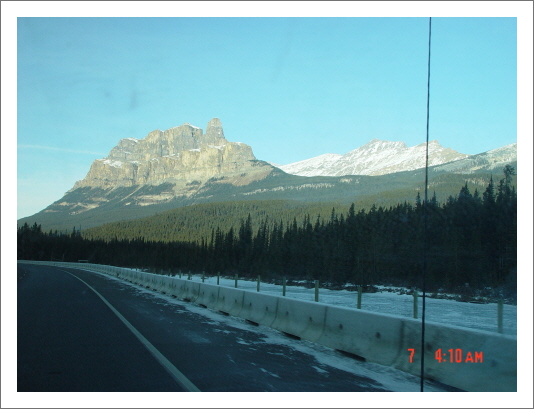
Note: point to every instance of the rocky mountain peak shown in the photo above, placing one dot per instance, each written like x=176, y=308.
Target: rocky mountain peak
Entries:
x=377, y=145
x=215, y=128
x=183, y=153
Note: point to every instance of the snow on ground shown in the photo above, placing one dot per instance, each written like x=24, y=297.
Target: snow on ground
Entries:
x=450, y=312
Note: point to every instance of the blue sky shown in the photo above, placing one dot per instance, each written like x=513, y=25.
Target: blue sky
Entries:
x=292, y=88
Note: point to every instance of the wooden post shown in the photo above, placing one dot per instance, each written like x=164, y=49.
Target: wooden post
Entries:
x=283, y=286
x=203, y=276
x=359, y=306
x=316, y=290
x=236, y=281
x=415, y=304
x=218, y=275
x=258, y=289
x=189, y=275
x=499, y=316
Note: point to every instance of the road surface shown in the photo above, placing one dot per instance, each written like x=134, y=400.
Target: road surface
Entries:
x=85, y=331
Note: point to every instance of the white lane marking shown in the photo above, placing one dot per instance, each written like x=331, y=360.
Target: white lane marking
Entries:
x=179, y=377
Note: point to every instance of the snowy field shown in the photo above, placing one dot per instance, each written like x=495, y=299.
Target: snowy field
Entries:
x=462, y=314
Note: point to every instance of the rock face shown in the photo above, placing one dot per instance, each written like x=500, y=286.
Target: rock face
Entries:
x=180, y=154
x=180, y=163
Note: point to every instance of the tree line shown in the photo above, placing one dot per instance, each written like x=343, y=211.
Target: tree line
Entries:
x=470, y=240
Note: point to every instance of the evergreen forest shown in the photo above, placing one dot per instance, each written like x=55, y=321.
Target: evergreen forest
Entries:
x=470, y=241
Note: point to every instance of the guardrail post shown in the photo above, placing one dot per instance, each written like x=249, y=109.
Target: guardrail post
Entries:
x=258, y=289
x=236, y=281
x=415, y=304
x=203, y=276
x=218, y=275
x=180, y=273
x=499, y=316
x=189, y=275
x=359, y=306
x=283, y=286
x=316, y=290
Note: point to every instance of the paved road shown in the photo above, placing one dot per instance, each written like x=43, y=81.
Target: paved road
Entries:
x=70, y=339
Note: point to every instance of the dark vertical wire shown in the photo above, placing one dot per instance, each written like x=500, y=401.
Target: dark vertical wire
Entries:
x=425, y=211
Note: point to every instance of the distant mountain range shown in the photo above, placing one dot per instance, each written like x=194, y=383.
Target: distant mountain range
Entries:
x=374, y=158
x=183, y=166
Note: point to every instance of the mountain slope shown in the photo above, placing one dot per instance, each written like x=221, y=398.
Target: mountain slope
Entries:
x=316, y=166
x=161, y=167
x=374, y=158
x=183, y=166
x=382, y=190
x=486, y=161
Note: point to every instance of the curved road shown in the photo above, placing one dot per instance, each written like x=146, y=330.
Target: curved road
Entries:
x=84, y=331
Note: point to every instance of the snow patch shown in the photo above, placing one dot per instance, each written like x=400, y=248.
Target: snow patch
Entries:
x=270, y=373
x=321, y=371
x=192, y=126
x=114, y=163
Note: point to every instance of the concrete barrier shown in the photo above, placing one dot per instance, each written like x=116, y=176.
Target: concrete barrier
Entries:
x=182, y=289
x=136, y=277
x=259, y=308
x=124, y=274
x=147, y=280
x=230, y=300
x=152, y=281
x=176, y=288
x=129, y=274
x=160, y=283
x=494, y=368
x=192, y=290
x=300, y=318
x=143, y=279
x=208, y=296
x=167, y=286
x=380, y=338
x=369, y=335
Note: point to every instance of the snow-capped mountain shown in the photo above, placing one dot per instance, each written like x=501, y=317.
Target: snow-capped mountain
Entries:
x=310, y=167
x=374, y=158
x=487, y=160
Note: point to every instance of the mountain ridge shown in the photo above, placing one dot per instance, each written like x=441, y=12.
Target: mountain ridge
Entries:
x=182, y=153
x=182, y=166
x=377, y=157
